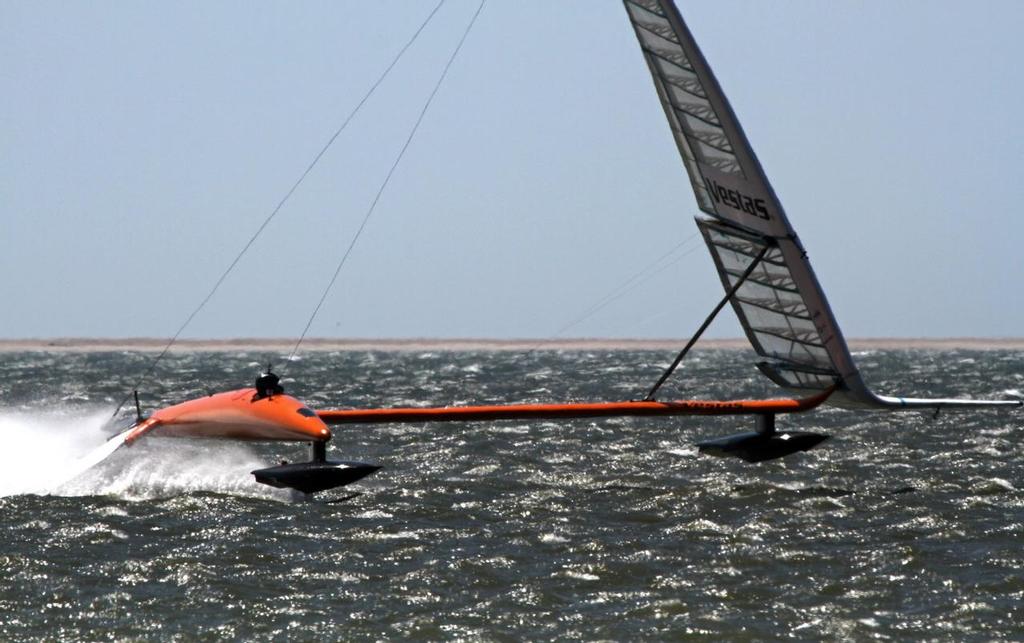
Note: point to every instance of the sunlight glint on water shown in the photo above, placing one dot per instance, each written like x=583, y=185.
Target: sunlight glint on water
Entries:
x=902, y=526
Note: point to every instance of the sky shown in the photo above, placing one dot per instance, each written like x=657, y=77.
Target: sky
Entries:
x=143, y=143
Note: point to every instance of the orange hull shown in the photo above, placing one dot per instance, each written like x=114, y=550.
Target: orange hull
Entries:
x=580, y=410
x=236, y=415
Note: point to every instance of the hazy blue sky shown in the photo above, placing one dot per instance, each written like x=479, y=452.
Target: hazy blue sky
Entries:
x=144, y=142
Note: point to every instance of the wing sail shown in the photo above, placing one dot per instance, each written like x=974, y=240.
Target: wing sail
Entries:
x=724, y=173
x=781, y=306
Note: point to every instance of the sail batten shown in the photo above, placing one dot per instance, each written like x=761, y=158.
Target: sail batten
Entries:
x=749, y=250
x=776, y=283
x=797, y=310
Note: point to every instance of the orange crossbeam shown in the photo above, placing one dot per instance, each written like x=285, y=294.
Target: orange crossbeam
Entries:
x=572, y=410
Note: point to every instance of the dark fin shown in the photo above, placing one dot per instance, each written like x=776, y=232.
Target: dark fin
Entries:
x=758, y=446
x=311, y=477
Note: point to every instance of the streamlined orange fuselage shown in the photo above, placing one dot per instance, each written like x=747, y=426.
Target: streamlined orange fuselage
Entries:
x=237, y=415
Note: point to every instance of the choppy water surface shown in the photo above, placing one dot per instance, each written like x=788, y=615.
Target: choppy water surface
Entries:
x=902, y=526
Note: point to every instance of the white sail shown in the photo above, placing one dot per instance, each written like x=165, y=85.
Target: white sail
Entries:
x=781, y=306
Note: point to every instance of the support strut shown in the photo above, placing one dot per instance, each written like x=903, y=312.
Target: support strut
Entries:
x=138, y=407
x=318, y=451
x=707, y=322
x=765, y=424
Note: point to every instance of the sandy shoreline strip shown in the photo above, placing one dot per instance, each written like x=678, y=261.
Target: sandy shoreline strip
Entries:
x=145, y=344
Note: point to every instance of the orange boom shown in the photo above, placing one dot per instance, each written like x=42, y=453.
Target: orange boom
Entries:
x=577, y=410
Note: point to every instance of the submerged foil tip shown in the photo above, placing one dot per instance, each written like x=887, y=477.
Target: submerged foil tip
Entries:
x=311, y=477
x=758, y=447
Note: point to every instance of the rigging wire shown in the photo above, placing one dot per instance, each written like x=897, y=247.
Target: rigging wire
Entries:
x=650, y=270
x=654, y=273
x=628, y=285
x=281, y=203
x=387, y=179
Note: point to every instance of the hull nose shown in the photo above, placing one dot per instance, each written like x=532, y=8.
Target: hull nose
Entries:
x=311, y=477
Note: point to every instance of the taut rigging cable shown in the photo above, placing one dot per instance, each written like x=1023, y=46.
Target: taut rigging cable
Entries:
x=653, y=268
x=387, y=179
x=280, y=204
x=662, y=263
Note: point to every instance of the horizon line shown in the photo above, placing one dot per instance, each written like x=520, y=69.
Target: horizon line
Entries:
x=316, y=344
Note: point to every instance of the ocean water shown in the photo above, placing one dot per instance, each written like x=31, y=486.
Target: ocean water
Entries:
x=903, y=526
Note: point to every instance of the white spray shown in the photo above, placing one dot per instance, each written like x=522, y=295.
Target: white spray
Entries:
x=70, y=455
x=40, y=449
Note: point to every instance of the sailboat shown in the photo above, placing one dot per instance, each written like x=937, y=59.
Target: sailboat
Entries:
x=763, y=267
